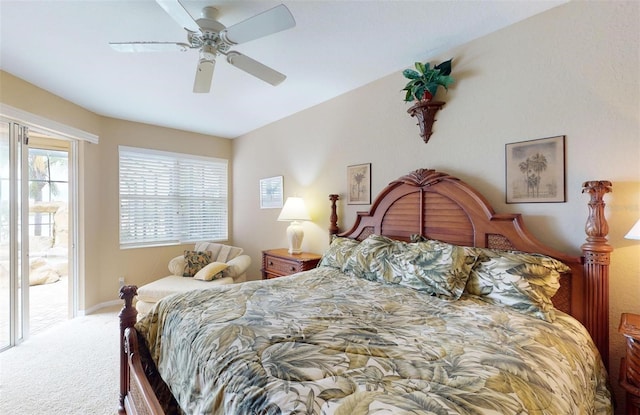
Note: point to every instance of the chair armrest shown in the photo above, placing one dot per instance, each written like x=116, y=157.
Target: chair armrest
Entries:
x=237, y=266
x=176, y=265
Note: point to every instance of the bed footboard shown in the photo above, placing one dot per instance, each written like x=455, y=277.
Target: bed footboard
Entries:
x=136, y=393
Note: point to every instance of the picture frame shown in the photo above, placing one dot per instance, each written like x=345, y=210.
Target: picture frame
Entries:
x=359, y=184
x=535, y=171
x=271, y=192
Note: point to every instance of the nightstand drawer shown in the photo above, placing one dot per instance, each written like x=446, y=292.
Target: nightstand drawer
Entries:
x=281, y=266
x=279, y=262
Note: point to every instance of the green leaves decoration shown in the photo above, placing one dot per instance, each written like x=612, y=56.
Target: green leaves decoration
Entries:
x=424, y=81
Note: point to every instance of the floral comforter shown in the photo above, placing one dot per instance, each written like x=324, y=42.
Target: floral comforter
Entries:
x=321, y=342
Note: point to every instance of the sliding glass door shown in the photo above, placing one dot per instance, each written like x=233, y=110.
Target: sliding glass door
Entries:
x=14, y=271
x=49, y=216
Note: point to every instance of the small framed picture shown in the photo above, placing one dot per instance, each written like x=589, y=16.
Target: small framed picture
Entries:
x=271, y=192
x=359, y=184
x=535, y=171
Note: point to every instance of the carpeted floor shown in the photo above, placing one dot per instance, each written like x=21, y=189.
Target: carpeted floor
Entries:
x=69, y=368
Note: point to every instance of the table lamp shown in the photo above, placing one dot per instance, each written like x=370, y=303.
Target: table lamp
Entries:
x=634, y=233
x=295, y=211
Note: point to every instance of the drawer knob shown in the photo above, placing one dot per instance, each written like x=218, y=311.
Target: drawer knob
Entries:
x=270, y=262
x=293, y=268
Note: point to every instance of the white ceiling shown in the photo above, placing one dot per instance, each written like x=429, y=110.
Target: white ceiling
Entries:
x=62, y=46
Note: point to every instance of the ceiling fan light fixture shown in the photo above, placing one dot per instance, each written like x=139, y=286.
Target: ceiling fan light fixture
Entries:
x=208, y=53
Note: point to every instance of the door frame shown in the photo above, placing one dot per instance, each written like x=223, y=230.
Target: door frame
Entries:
x=74, y=136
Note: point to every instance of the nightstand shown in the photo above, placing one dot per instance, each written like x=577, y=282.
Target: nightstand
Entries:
x=279, y=262
x=630, y=365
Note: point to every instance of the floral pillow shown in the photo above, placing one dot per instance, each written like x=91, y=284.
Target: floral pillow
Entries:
x=194, y=261
x=523, y=281
x=371, y=260
x=434, y=267
x=439, y=268
x=338, y=253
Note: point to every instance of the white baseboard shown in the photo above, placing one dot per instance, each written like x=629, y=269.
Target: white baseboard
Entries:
x=98, y=307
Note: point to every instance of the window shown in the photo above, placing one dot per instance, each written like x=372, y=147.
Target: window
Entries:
x=171, y=198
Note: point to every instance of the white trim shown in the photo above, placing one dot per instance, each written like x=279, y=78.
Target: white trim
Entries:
x=49, y=125
x=98, y=307
x=171, y=154
x=74, y=230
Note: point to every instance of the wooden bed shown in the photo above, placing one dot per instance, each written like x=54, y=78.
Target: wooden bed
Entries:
x=441, y=207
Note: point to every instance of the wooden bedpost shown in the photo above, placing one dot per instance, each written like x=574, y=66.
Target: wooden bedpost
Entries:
x=597, y=253
x=333, y=218
x=128, y=316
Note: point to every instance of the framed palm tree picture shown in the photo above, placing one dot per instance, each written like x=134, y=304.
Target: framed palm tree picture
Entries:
x=359, y=184
x=535, y=171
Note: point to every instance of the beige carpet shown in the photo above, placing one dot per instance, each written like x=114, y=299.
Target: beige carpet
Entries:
x=70, y=368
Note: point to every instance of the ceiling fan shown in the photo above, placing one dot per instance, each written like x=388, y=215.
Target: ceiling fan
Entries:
x=212, y=39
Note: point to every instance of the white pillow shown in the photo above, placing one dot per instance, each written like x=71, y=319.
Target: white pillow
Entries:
x=212, y=271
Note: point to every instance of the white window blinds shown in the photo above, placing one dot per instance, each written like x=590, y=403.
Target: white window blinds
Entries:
x=170, y=198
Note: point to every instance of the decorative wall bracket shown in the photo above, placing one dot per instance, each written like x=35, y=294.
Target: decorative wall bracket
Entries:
x=425, y=112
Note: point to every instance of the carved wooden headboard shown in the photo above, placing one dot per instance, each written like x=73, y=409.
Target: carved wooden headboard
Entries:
x=439, y=206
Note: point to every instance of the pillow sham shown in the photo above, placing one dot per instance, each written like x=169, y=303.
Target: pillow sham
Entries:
x=416, y=237
x=339, y=251
x=434, y=267
x=210, y=272
x=520, y=280
x=194, y=261
x=371, y=260
x=439, y=268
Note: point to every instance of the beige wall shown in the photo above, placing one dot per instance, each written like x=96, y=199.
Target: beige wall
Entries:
x=102, y=260
x=573, y=71
x=139, y=265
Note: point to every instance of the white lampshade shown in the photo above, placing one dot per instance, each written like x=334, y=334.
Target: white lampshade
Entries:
x=294, y=210
x=634, y=233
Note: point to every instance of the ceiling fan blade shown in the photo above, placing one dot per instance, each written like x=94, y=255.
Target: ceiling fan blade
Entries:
x=255, y=68
x=176, y=10
x=149, y=46
x=204, y=74
x=270, y=21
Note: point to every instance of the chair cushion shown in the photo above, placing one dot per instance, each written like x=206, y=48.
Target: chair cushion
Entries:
x=173, y=284
x=219, y=252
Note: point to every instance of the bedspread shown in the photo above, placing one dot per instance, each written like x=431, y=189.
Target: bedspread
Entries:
x=321, y=342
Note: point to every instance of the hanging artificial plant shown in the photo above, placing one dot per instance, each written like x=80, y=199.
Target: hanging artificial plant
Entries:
x=425, y=81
